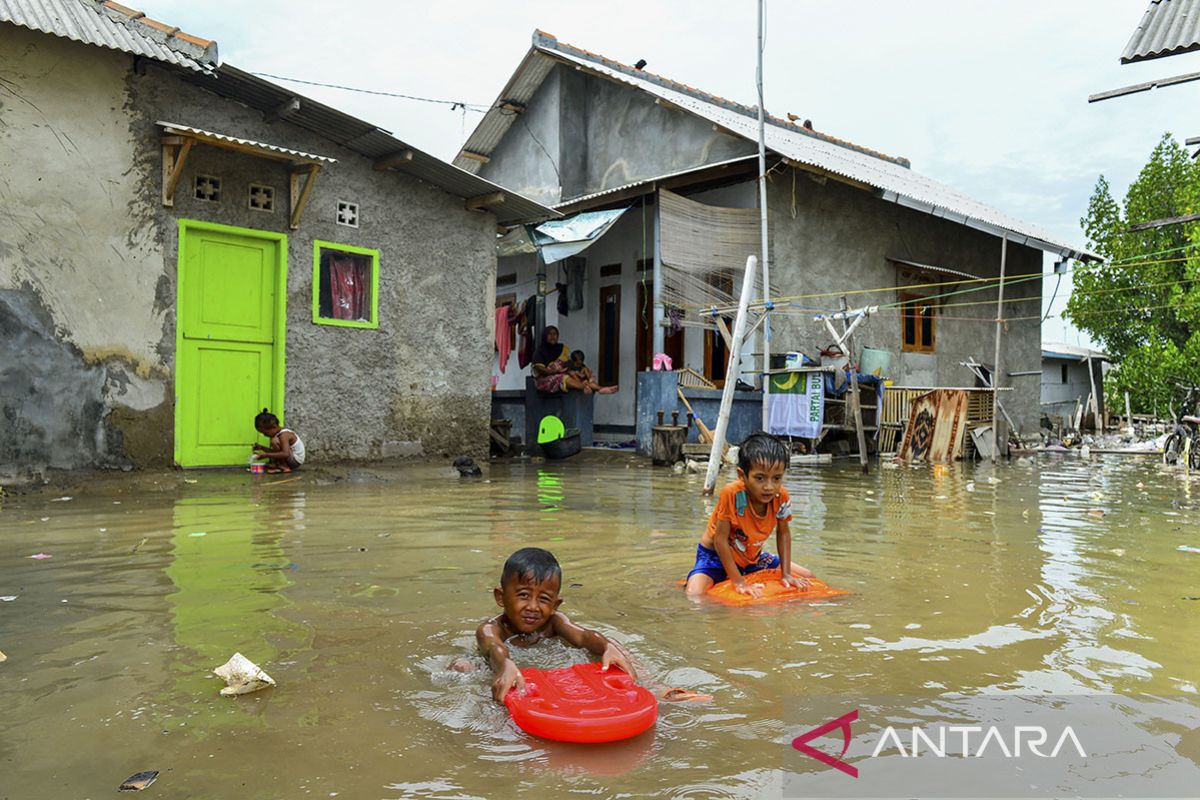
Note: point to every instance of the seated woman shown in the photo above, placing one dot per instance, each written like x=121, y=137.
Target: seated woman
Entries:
x=550, y=368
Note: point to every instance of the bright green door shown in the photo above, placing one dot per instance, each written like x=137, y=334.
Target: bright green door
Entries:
x=229, y=354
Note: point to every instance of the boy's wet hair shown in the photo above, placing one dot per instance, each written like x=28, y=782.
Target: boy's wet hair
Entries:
x=265, y=419
x=531, y=563
x=577, y=355
x=762, y=448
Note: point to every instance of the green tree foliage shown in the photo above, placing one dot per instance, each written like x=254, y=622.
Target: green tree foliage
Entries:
x=1143, y=304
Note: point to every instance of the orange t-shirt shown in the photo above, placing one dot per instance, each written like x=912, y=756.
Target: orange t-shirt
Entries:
x=747, y=530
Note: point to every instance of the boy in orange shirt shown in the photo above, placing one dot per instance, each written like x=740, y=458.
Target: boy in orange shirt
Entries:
x=746, y=513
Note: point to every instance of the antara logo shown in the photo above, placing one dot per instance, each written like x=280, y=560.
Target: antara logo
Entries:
x=842, y=722
x=1033, y=737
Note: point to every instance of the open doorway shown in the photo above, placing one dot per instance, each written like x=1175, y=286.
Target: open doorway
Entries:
x=672, y=340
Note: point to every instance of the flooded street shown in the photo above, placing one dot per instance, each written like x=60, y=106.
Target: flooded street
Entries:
x=1060, y=576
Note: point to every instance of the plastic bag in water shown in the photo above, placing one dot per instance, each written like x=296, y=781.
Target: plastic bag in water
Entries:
x=242, y=675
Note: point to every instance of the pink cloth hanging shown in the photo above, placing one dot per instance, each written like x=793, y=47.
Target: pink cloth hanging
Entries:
x=348, y=280
x=503, y=336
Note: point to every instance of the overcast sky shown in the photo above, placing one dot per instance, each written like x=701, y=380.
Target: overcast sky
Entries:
x=988, y=97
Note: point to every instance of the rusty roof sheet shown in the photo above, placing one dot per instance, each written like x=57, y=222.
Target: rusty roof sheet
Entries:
x=890, y=177
x=104, y=23
x=1168, y=27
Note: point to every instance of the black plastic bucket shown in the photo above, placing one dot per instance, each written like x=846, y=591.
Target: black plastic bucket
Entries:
x=565, y=447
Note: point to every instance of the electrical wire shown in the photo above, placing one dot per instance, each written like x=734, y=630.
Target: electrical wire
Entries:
x=454, y=104
x=990, y=283
x=1050, y=305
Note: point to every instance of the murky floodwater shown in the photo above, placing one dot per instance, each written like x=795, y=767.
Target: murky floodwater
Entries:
x=1062, y=577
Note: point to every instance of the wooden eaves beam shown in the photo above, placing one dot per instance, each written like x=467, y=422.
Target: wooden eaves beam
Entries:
x=393, y=160
x=823, y=173
x=299, y=194
x=482, y=201
x=175, y=151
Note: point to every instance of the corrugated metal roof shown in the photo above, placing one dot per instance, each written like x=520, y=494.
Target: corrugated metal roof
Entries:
x=1070, y=352
x=367, y=140
x=108, y=24
x=953, y=273
x=520, y=89
x=889, y=176
x=1168, y=27
x=172, y=127
x=588, y=199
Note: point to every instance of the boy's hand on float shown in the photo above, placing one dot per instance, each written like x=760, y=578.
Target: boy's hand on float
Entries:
x=509, y=678
x=615, y=656
x=752, y=589
x=795, y=581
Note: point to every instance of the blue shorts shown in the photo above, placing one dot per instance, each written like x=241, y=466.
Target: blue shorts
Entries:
x=709, y=563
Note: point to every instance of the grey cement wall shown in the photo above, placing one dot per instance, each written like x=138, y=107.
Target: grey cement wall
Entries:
x=1060, y=398
x=581, y=134
x=88, y=270
x=528, y=162
x=842, y=238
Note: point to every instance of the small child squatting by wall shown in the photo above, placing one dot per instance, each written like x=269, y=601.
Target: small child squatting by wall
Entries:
x=285, y=451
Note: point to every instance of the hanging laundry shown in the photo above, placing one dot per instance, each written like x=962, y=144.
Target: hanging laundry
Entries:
x=564, y=308
x=503, y=336
x=576, y=268
x=525, y=326
x=525, y=349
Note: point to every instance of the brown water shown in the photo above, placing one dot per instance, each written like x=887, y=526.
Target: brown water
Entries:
x=354, y=595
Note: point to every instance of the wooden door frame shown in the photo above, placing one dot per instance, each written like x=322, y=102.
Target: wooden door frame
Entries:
x=280, y=328
x=602, y=349
x=644, y=335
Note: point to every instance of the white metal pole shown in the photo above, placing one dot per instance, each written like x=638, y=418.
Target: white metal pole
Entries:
x=658, y=337
x=762, y=205
x=735, y=352
x=996, y=373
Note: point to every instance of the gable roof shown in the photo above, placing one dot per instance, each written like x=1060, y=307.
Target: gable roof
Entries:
x=104, y=23
x=890, y=177
x=1168, y=28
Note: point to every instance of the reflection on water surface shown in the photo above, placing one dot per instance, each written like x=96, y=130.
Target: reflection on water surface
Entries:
x=1061, y=576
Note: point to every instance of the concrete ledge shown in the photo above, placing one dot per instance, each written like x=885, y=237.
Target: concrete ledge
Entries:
x=659, y=391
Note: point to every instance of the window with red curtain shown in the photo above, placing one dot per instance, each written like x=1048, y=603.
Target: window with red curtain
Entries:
x=345, y=283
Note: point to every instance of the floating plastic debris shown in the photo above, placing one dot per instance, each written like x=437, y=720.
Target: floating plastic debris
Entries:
x=135, y=783
x=40, y=556
x=242, y=675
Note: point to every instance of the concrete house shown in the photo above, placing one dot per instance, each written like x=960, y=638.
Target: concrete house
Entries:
x=1070, y=375
x=581, y=132
x=183, y=244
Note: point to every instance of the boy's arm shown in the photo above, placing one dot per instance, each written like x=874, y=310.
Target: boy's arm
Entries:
x=725, y=553
x=505, y=674
x=285, y=447
x=783, y=544
x=610, y=652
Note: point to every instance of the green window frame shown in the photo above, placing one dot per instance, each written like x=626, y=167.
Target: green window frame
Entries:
x=320, y=246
